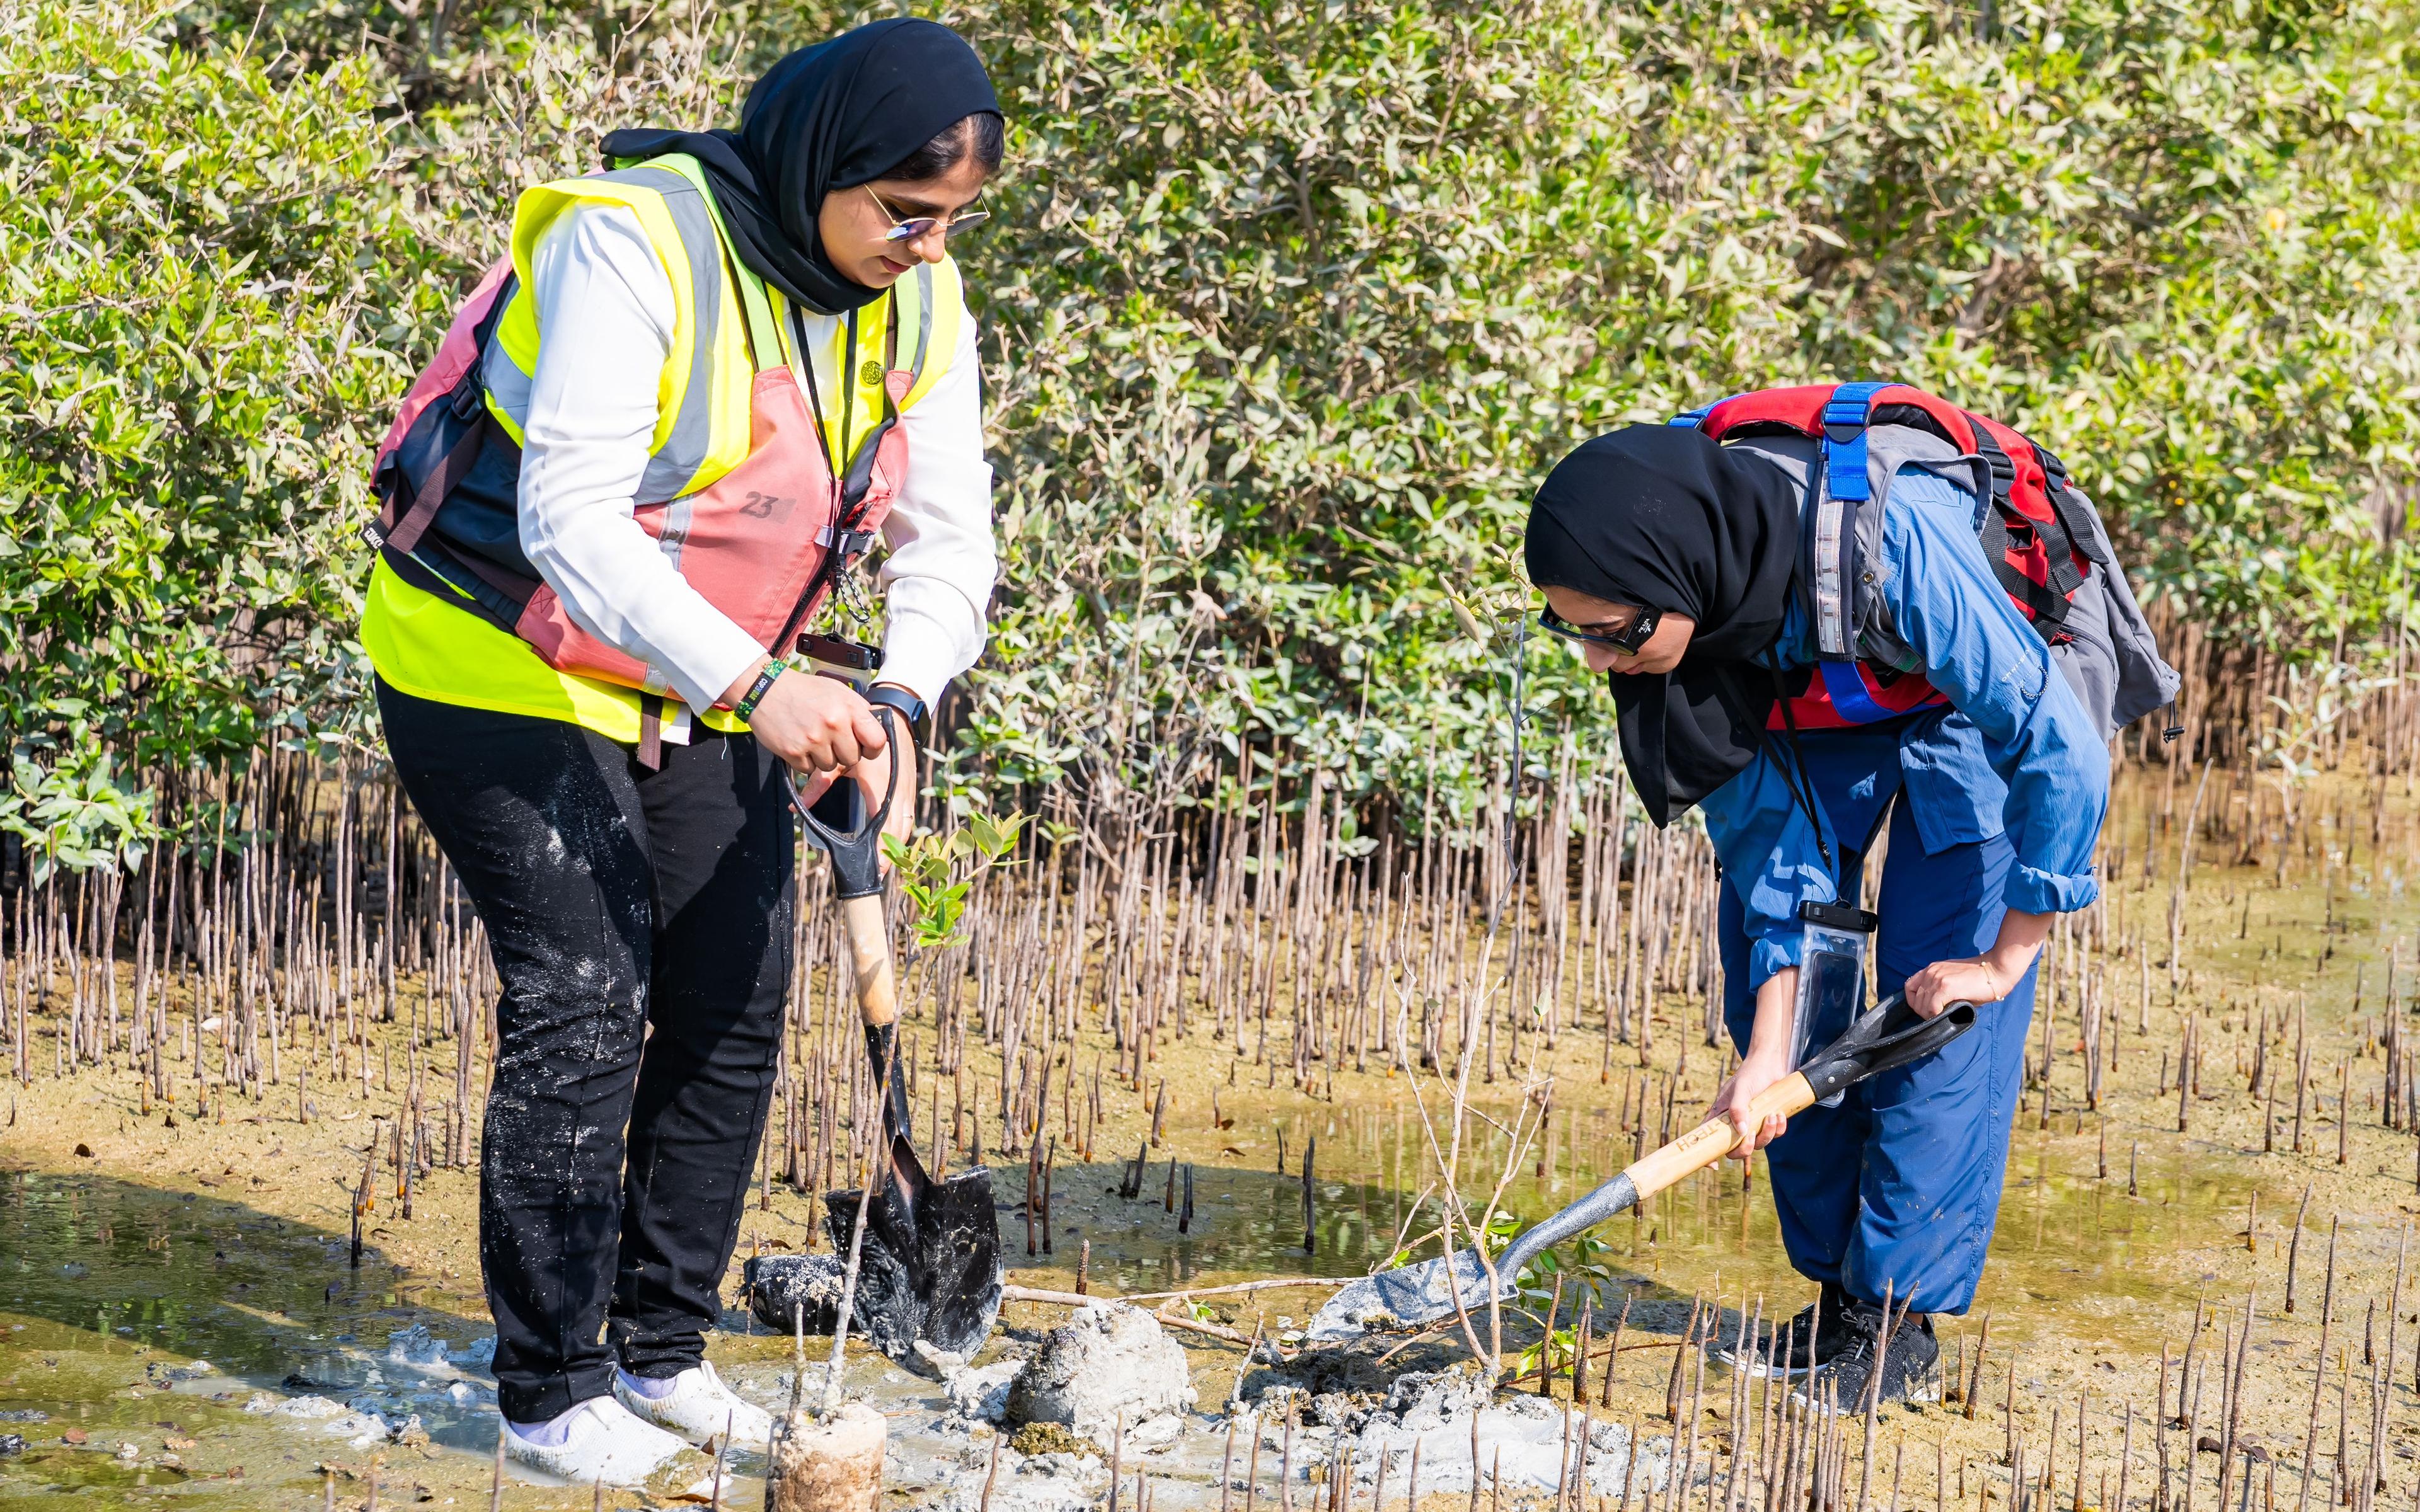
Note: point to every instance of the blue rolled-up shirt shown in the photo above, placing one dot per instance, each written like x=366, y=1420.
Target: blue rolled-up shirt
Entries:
x=2015, y=754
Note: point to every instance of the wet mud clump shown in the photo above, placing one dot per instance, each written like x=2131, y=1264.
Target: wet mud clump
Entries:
x=1456, y=1424
x=980, y=1394
x=1333, y=1383
x=790, y=1292
x=1108, y=1369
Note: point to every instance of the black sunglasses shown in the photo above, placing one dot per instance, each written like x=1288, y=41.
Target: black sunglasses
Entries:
x=1629, y=642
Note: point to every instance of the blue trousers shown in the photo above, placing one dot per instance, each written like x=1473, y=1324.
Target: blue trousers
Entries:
x=1900, y=1186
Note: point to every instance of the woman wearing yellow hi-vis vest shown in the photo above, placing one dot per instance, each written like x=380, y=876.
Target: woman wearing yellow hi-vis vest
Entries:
x=616, y=508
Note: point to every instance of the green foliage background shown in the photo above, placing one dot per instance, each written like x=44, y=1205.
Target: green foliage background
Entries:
x=1288, y=305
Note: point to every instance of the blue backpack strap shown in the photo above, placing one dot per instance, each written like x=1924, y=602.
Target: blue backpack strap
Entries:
x=1846, y=687
x=1696, y=417
x=1845, y=417
x=1832, y=568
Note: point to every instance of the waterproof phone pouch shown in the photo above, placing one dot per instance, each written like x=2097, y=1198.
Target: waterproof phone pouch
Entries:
x=1831, y=975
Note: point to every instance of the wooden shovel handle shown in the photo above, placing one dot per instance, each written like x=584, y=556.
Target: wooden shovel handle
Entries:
x=1716, y=1139
x=869, y=949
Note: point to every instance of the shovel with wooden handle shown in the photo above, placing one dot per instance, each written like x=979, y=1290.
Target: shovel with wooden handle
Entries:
x=1414, y=1296
x=929, y=1264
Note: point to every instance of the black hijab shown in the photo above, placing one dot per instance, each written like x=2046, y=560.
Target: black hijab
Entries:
x=1665, y=518
x=826, y=117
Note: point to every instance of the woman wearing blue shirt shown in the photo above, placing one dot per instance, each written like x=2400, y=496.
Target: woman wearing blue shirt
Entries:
x=1675, y=562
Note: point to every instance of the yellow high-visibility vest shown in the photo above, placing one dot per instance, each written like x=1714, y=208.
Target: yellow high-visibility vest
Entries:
x=430, y=648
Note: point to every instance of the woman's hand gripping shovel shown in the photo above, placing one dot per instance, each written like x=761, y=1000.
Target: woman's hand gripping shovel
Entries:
x=925, y=1253
x=1414, y=1296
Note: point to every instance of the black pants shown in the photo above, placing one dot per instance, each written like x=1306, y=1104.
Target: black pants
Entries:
x=639, y=923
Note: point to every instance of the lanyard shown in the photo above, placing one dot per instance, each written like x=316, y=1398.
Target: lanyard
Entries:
x=1792, y=760
x=814, y=396
x=1801, y=785
x=848, y=487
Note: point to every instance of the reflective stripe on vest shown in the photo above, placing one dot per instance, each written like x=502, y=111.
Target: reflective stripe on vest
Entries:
x=672, y=209
x=704, y=430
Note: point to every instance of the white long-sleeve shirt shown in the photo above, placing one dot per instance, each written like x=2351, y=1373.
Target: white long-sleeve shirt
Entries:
x=605, y=309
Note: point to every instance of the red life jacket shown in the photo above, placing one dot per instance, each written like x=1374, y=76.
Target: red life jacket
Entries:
x=2039, y=536
x=764, y=542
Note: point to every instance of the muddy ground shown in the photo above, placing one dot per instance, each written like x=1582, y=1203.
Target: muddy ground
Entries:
x=180, y=1315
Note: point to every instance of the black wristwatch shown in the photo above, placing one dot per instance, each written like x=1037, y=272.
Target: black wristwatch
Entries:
x=910, y=707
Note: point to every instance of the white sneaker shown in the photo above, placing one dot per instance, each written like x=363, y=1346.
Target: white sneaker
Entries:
x=601, y=1441
x=700, y=1407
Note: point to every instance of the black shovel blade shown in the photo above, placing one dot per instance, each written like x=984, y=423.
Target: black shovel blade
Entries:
x=959, y=1228
x=929, y=1270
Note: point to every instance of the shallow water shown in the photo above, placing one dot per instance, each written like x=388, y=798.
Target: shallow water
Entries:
x=140, y=1316
x=112, y=1289
x=2065, y=1235
x=242, y=1357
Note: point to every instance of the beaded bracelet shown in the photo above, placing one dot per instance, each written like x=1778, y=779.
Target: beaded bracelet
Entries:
x=746, y=707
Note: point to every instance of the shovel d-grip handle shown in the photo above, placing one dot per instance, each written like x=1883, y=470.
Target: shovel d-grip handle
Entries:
x=1891, y=1034
x=840, y=823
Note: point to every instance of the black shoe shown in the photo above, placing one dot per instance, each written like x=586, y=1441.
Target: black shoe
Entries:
x=1908, y=1371
x=1781, y=1350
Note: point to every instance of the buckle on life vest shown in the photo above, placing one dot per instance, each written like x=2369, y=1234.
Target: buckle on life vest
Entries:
x=851, y=545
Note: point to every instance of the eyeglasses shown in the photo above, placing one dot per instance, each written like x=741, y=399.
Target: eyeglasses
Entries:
x=1629, y=642
x=916, y=227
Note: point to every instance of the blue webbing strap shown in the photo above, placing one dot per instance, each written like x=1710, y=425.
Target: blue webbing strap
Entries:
x=1831, y=543
x=1844, y=439
x=1846, y=687
x=1698, y=416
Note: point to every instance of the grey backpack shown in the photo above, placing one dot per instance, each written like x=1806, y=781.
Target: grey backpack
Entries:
x=2044, y=541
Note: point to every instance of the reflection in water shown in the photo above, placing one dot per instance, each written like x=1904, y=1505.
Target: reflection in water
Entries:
x=150, y=1322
